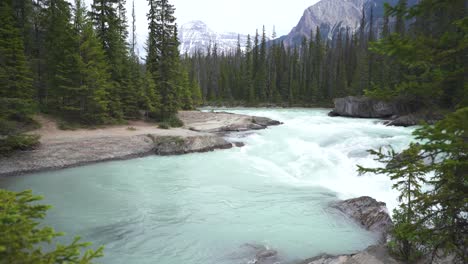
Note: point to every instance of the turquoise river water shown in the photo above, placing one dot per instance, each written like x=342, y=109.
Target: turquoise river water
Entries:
x=207, y=208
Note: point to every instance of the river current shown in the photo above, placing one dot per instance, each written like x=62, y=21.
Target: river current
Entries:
x=215, y=207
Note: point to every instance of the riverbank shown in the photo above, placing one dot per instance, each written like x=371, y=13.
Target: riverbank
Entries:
x=202, y=132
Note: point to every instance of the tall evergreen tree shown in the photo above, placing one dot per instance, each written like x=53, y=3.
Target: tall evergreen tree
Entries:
x=16, y=91
x=163, y=54
x=91, y=96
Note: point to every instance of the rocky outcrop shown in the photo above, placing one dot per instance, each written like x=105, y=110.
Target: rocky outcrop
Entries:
x=177, y=145
x=397, y=112
x=414, y=119
x=364, y=107
x=80, y=152
x=377, y=254
x=368, y=212
x=373, y=216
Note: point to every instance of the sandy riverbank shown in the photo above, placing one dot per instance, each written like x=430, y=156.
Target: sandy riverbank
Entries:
x=202, y=131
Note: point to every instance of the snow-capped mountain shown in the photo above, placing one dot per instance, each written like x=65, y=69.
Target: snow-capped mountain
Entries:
x=332, y=15
x=197, y=36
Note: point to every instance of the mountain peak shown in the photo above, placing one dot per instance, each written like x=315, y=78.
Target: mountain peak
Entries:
x=196, y=36
x=330, y=16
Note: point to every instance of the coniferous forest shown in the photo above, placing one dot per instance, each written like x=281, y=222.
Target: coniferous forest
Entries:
x=416, y=54
x=80, y=65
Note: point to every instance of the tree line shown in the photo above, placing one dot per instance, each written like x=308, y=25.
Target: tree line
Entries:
x=82, y=66
x=363, y=62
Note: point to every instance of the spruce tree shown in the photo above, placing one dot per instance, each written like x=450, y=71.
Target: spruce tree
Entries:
x=16, y=91
x=408, y=171
x=163, y=55
x=431, y=221
x=95, y=77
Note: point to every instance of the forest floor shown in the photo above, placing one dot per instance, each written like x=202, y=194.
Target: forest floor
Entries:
x=202, y=131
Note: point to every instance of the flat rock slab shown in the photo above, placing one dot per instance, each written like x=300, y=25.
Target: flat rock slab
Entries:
x=219, y=122
x=80, y=152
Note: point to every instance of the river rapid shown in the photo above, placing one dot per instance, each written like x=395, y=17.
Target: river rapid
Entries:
x=216, y=207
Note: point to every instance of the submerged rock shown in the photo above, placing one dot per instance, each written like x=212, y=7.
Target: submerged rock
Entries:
x=266, y=256
x=255, y=254
x=370, y=213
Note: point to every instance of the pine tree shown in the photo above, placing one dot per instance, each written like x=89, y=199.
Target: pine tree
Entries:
x=248, y=75
x=431, y=219
x=109, y=18
x=163, y=54
x=400, y=25
x=93, y=86
x=61, y=63
x=16, y=91
x=432, y=59
x=408, y=171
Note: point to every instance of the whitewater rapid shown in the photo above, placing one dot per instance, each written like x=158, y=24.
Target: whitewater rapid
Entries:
x=312, y=149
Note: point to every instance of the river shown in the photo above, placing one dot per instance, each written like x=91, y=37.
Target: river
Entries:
x=211, y=207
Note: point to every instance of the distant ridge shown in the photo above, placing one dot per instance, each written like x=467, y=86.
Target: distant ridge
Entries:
x=197, y=36
x=331, y=16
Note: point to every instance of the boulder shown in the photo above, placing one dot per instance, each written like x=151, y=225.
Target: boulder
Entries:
x=265, y=121
x=364, y=107
x=238, y=144
x=368, y=212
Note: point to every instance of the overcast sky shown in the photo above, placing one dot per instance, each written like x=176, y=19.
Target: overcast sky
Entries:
x=240, y=16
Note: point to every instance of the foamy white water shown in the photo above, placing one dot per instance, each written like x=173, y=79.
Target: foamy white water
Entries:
x=205, y=208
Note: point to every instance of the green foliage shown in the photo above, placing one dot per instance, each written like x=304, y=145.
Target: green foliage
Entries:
x=9, y=144
x=162, y=61
x=174, y=121
x=67, y=125
x=16, y=91
x=22, y=238
x=164, y=125
x=431, y=220
x=429, y=59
